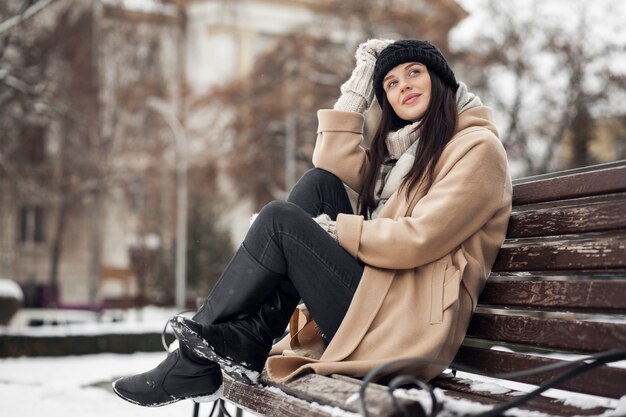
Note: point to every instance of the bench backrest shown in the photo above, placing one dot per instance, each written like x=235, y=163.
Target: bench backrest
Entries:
x=559, y=282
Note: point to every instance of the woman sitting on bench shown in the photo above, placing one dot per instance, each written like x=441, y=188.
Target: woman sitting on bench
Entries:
x=398, y=279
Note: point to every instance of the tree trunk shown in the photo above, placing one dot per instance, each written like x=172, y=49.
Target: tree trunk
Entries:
x=582, y=132
x=55, y=252
x=95, y=262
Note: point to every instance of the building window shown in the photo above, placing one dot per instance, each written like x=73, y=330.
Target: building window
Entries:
x=32, y=145
x=31, y=225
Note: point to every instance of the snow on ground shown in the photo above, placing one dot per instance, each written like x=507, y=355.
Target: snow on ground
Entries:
x=74, y=386
x=147, y=6
x=78, y=386
x=76, y=322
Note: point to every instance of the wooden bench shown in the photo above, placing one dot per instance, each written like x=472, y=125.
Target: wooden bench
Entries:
x=558, y=285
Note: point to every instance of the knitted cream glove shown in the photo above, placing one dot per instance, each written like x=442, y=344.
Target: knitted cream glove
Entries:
x=357, y=94
x=327, y=224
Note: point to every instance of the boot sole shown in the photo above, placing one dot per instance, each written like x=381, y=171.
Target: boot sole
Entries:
x=197, y=344
x=208, y=398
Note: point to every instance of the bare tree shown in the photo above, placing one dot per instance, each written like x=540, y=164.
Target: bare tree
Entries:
x=27, y=10
x=273, y=110
x=63, y=148
x=276, y=105
x=545, y=80
x=49, y=84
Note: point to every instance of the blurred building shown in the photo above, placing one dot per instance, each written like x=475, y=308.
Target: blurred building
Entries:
x=88, y=175
x=76, y=148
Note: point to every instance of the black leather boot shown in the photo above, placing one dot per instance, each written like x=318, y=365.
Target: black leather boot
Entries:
x=237, y=297
x=241, y=290
x=180, y=376
x=248, y=308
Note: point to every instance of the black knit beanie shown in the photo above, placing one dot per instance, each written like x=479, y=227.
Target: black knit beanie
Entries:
x=412, y=50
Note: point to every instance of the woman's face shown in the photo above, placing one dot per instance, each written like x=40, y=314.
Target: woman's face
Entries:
x=408, y=88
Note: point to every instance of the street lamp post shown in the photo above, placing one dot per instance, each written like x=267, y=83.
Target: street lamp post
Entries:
x=180, y=137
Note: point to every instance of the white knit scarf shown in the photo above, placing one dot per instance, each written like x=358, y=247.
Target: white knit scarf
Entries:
x=401, y=146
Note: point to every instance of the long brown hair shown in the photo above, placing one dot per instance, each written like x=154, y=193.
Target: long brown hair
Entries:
x=437, y=128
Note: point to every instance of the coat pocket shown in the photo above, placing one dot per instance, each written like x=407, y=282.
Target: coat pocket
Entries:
x=445, y=283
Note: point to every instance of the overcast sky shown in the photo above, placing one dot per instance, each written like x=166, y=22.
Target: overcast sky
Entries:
x=607, y=17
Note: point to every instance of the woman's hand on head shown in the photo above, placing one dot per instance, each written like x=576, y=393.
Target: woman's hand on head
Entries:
x=357, y=94
x=371, y=49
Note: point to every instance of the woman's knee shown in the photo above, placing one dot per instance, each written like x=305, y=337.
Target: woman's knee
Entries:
x=319, y=175
x=278, y=216
x=277, y=211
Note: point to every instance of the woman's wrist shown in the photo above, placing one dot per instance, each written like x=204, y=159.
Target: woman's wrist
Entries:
x=351, y=101
x=329, y=225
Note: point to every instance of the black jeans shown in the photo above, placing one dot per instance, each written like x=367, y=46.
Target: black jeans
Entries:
x=285, y=240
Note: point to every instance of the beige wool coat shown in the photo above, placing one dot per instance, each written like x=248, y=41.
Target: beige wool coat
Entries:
x=427, y=259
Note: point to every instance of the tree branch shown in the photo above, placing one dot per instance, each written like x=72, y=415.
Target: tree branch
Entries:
x=17, y=84
x=27, y=14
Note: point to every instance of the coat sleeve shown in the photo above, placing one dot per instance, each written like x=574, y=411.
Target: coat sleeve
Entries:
x=457, y=205
x=339, y=146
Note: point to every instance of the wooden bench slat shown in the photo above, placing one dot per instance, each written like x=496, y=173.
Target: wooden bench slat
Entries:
x=342, y=392
x=604, y=380
x=604, y=181
x=336, y=393
x=602, y=295
x=455, y=388
x=597, y=253
x=578, y=219
x=556, y=274
x=568, y=335
x=264, y=402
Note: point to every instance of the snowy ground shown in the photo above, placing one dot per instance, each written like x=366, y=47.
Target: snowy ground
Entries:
x=79, y=322
x=74, y=386
x=78, y=386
